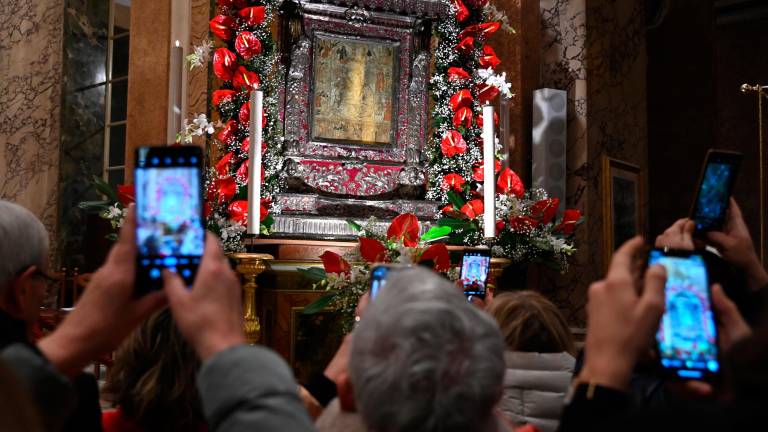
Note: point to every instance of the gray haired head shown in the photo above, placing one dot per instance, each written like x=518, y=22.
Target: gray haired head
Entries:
x=424, y=359
x=23, y=242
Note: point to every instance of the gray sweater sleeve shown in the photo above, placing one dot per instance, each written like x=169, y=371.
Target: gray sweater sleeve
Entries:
x=52, y=392
x=250, y=388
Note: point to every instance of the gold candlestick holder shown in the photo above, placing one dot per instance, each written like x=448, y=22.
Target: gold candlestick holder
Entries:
x=761, y=90
x=250, y=266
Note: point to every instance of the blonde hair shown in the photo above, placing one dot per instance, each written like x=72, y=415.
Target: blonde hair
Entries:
x=531, y=323
x=153, y=377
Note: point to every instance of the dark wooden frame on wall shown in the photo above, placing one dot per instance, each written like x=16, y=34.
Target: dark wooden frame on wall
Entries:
x=611, y=169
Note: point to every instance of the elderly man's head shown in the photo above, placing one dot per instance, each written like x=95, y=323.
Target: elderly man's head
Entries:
x=424, y=359
x=23, y=261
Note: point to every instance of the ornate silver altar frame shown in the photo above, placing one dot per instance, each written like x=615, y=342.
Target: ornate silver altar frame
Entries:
x=355, y=178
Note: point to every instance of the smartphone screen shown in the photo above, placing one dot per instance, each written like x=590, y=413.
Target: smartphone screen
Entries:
x=169, y=214
x=474, y=273
x=715, y=188
x=378, y=279
x=687, y=336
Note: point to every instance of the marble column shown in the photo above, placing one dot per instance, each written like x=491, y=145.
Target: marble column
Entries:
x=148, y=78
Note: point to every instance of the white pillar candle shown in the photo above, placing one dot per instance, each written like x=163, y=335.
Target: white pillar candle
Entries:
x=175, y=91
x=489, y=177
x=254, y=164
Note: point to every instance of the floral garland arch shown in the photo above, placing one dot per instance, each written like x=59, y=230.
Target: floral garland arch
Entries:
x=247, y=61
x=464, y=80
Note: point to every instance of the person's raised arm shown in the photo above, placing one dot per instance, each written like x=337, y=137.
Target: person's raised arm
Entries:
x=106, y=313
x=736, y=247
x=620, y=321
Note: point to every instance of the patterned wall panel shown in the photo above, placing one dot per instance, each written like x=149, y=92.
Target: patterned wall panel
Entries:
x=30, y=98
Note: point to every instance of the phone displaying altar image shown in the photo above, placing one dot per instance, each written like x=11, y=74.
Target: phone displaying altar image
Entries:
x=474, y=273
x=718, y=176
x=170, y=231
x=687, y=336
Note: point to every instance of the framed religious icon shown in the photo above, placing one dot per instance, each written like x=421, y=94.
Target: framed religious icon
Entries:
x=354, y=98
x=622, y=204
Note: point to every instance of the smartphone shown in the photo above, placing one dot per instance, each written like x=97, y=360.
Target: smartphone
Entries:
x=687, y=336
x=169, y=214
x=474, y=273
x=379, y=279
x=716, y=181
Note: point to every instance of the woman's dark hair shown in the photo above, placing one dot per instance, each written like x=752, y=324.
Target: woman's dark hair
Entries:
x=531, y=323
x=153, y=378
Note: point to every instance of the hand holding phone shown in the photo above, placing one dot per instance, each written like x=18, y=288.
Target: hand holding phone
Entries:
x=474, y=273
x=716, y=181
x=169, y=214
x=687, y=336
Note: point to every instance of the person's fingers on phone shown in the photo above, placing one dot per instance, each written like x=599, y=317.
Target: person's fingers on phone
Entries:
x=177, y=293
x=477, y=301
x=362, y=304
x=690, y=389
x=623, y=259
x=721, y=240
x=733, y=327
x=651, y=305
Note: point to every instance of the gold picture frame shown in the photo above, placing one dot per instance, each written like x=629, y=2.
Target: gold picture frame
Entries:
x=622, y=204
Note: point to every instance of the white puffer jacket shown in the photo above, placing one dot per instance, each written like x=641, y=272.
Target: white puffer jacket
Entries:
x=535, y=385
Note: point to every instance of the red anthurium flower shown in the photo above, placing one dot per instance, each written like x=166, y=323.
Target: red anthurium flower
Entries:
x=482, y=29
x=453, y=143
x=448, y=208
x=509, y=182
x=489, y=59
x=457, y=74
x=225, y=189
x=253, y=16
x=487, y=92
x=242, y=172
x=222, y=95
x=230, y=3
x=246, y=145
x=238, y=211
x=479, y=175
x=462, y=13
x=479, y=120
x=462, y=98
x=221, y=26
x=545, y=210
x=523, y=224
x=500, y=226
x=207, y=210
x=477, y=3
x=334, y=263
x=472, y=209
x=568, y=224
x=462, y=117
x=247, y=45
x=372, y=250
x=263, y=212
x=453, y=182
x=438, y=254
x=244, y=78
x=224, y=64
x=222, y=166
x=466, y=45
x=404, y=227
x=227, y=134
x=126, y=193
x=244, y=115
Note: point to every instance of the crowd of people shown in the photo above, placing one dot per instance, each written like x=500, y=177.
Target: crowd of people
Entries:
x=421, y=358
